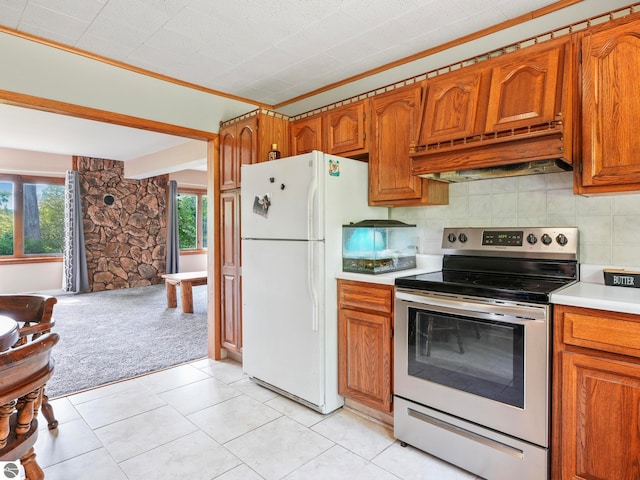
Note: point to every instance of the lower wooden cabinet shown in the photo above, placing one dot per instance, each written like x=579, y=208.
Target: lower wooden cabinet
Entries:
x=231, y=314
x=365, y=343
x=596, y=413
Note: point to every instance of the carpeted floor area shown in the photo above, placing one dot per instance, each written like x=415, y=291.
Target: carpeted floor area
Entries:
x=111, y=335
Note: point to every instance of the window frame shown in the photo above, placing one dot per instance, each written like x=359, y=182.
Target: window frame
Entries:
x=201, y=220
x=18, y=218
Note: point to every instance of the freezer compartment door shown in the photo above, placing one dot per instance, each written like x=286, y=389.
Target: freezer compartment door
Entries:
x=281, y=198
x=283, y=315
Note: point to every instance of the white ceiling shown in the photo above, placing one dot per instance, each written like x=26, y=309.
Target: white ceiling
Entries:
x=269, y=51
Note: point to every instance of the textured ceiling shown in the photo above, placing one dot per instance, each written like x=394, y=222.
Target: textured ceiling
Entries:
x=268, y=51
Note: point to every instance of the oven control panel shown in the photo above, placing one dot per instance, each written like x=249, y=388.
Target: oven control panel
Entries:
x=554, y=242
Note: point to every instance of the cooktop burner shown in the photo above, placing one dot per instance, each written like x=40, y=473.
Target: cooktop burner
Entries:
x=525, y=264
x=507, y=287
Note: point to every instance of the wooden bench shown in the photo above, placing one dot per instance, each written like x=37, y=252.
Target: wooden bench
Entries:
x=186, y=280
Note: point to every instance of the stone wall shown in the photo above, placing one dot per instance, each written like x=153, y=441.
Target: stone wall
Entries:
x=125, y=225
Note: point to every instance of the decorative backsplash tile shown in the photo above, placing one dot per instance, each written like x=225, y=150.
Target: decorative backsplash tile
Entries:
x=609, y=225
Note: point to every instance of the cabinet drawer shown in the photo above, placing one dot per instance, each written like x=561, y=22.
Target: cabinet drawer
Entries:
x=365, y=296
x=601, y=330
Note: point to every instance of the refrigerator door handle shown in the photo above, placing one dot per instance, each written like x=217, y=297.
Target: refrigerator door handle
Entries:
x=311, y=195
x=311, y=285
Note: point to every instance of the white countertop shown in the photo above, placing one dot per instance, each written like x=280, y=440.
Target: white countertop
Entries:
x=591, y=292
x=424, y=264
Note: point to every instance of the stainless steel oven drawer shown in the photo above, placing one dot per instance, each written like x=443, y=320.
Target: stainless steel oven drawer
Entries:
x=481, y=451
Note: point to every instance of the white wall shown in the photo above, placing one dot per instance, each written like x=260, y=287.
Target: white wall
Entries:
x=30, y=277
x=609, y=225
x=193, y=263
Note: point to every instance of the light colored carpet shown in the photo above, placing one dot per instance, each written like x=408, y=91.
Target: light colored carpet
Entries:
x=116, y=334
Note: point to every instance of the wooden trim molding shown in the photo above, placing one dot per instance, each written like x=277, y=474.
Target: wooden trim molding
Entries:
x=560, y=4
x=54, y=106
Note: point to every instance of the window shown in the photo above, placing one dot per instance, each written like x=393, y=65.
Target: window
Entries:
x=31, y=216
x=192, y=219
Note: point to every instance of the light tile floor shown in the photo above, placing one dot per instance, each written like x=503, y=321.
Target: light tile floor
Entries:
x=206, y=420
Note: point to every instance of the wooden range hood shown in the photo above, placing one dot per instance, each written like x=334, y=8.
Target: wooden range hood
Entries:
x=506, y=116
x=539, y=149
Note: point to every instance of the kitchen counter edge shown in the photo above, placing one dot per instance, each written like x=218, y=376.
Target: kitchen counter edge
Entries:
x=424, y=264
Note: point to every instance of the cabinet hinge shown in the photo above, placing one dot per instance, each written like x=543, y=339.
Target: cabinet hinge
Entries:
x=580, y=167
x=364, y=116
x=364, y=135
x=391, y=332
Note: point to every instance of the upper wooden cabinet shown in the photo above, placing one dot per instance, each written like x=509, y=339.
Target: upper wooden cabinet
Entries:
x=510, y=109
x=306, y=135
x=526, y=89
x=610, y=108
x=248, y=140
x=451, y=106
x=394, y=120
x=346, y=131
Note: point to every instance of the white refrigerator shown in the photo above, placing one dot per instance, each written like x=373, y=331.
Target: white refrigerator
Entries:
x=292, y=212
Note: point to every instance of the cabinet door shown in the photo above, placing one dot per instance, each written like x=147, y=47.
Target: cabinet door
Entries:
x=611, y=109
x=306, y=135
x=346, y=134
x=451, y=107
x=394, y=122
x=246, y=144
x=600, y=419
x=364, y=358
x=228, y=164
x=525, y=89
x=231, y=324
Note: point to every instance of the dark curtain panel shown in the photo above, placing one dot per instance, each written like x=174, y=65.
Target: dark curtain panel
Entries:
x=74, y=265
x=173, y=246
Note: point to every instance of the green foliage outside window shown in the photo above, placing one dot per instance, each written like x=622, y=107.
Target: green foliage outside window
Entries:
x=187, y=221
x=6, y=219
x=42, y=207
x=49, y=215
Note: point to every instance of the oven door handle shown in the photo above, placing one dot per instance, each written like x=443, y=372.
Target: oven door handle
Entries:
x=460, y=305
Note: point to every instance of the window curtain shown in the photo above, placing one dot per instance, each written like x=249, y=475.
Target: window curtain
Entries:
x=173, y=247
x=74, y=265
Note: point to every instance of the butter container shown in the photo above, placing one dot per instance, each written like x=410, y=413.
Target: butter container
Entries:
x=621, y=278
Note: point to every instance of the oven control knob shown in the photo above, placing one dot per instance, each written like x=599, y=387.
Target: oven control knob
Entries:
x=562, y=239
x=532, y=239
x=451, y=237
x=462, y=237
x=546, y=239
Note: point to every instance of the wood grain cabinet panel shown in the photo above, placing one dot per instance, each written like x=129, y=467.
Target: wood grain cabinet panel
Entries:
x=394, y=122
x=238, y=146
x=451, y=106
x=610, y=107
x=306, y=135
x=525, y=90
x=365, y=343
x=596, y=395
x=231, y=318
x=347, y=130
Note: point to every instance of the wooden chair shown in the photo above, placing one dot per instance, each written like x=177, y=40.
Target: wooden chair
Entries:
x=35, y=314
x=24, y=370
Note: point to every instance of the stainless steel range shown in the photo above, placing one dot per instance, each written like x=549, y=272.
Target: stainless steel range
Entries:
x=472, y=349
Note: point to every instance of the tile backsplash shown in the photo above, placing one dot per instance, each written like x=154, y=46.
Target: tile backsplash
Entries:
x=609, y=225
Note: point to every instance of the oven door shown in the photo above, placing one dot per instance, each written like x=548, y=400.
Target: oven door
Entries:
x=477, y=359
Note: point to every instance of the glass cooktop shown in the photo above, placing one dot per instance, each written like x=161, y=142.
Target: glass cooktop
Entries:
x=489, y=285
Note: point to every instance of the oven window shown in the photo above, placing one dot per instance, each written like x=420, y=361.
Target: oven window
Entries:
x=482, y=357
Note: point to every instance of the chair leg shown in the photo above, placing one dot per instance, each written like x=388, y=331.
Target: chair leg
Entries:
x=47, y=412
x=31, y=468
